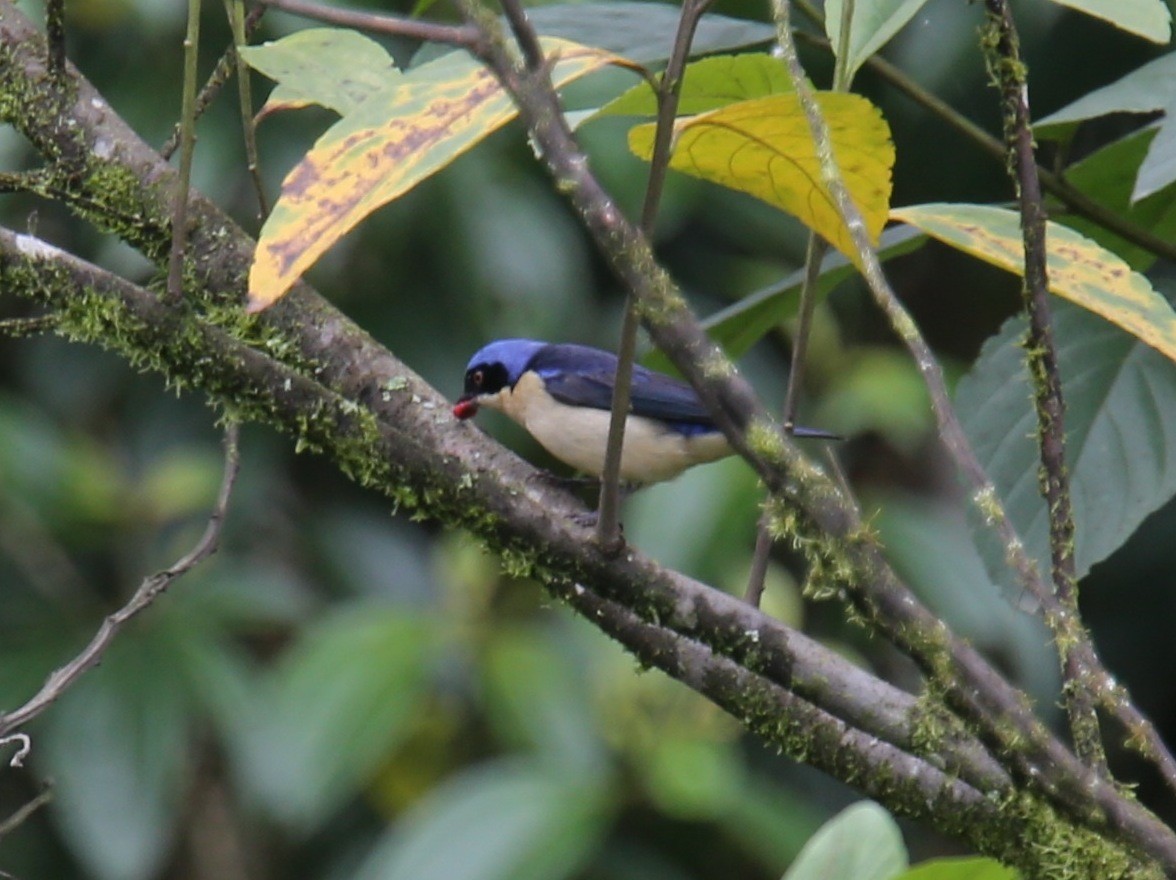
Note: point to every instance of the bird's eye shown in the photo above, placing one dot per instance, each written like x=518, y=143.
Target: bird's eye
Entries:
x=477, y=377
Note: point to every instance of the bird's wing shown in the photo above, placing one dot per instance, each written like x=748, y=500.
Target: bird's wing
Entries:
x=585, y=377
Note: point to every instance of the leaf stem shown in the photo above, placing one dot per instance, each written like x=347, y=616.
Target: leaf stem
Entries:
x=464, y=35
x=235, y=9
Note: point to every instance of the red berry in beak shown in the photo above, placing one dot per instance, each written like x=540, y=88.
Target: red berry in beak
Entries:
x=465, y=409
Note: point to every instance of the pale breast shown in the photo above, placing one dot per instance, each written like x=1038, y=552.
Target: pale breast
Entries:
x=578, y=435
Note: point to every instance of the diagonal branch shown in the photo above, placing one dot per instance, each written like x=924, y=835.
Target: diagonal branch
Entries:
x=149, y=590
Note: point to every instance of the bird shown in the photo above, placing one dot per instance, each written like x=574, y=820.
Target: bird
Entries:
x=561, y=393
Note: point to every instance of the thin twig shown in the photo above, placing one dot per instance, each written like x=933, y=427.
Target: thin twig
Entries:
x=149, y=590
x=465, y=35
x=235, y=10
x=44, y=796
x=668, y=91
x=23, y=181
x=179, y=217
x=814, y=255
x=224, y=68
x=1003, y=56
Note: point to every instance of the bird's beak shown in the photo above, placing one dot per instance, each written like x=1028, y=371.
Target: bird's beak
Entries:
x=465, y=408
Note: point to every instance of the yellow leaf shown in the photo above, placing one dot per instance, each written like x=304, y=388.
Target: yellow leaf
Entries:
x=1079, y=270
x=388, y=144
x=763, y=147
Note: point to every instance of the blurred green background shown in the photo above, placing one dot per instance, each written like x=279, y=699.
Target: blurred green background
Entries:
x=345, y=693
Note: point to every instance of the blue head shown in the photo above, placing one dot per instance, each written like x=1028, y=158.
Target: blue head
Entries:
x=492, y=368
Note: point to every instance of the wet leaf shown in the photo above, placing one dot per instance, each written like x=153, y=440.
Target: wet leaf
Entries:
x=1144, y=90
x=643, y=31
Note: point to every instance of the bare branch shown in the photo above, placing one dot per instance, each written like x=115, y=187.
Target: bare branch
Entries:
x=44, y=796
x=149, y=590
x=465, y=36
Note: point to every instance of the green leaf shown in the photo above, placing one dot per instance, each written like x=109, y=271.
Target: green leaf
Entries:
x=643, y=32
x=862, y=842
x=961, y=869
x=1159, y=165
x=1108, y=176
x=763, y=147
x=1079, y=270
x=499, y=821
x=874, y=22
x=535, y=699
x=391, y=142
x=338, y=69
x=692, y=778
x=1120, y=428
x=340, y=702
x=117, y=746
x=1150, y=19
x=741, y=325
x=1144, y=90
x=708, y=84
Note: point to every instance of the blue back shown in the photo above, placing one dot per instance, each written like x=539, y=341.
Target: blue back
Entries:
x=584, y=376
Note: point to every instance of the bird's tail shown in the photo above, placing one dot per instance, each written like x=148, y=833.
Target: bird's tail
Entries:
x=803, y=433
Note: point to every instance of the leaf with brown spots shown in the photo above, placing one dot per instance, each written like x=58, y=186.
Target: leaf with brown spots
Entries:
x=389, y=143
x=1079, y=270
x=763, y=147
